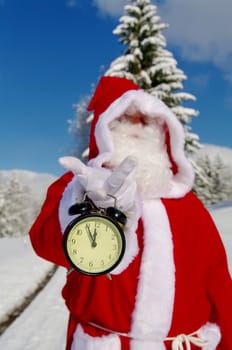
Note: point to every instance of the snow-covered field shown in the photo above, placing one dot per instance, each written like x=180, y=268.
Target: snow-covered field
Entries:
x=43, y=324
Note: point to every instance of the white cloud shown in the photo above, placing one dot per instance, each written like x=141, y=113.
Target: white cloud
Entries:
x=201, y=29
x=112, y=8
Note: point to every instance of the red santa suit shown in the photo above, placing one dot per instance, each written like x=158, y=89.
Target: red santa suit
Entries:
x=172, y=289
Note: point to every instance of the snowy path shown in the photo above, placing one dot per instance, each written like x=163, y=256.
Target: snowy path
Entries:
x=42, y=326
x=20, y=272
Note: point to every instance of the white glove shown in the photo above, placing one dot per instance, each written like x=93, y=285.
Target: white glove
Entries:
x=101, y=183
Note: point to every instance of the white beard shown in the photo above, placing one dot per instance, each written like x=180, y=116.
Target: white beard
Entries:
x=146, y=144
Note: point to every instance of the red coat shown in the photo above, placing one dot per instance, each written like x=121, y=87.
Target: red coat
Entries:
x=203, y=287
x=176, y=281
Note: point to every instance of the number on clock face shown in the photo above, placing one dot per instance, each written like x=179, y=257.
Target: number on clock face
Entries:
x=94, y=244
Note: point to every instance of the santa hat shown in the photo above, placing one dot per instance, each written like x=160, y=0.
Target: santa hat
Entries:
x=113, y=97
x=107, y=91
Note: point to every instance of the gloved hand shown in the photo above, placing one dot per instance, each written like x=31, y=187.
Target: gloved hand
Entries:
x=99, y=183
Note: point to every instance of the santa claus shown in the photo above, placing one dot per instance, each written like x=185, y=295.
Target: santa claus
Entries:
x=172, y=288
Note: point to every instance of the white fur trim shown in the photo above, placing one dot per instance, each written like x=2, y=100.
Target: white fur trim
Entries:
x=211, y=333
x=152, y=315
x=132, y=247
x=83, y=341
x=154, y=108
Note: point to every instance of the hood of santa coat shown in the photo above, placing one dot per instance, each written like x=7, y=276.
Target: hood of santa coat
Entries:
x=113, y=98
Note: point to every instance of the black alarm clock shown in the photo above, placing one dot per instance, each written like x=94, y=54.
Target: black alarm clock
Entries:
x=94, y=242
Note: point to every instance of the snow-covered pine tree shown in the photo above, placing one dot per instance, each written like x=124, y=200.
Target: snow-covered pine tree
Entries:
x=79, y=128
x=214, y=185
x=202, y=180
x=17, y=209
x=148, y=63
x=221, y=181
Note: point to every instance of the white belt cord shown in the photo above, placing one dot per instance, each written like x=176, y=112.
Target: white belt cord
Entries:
x=187, y=340
x=178, y=342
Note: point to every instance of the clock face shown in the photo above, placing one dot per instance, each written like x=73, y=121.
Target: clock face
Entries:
x=94, y=244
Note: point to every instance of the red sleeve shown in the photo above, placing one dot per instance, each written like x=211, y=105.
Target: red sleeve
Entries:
x=212, y=256
x=218, y=280
x=220, y=291
x=45, y=233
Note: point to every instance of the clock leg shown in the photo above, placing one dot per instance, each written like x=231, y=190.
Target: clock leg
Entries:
x=109, y=276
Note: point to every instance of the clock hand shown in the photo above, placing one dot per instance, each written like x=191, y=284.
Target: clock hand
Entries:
x=89, y=233
x=92, y=238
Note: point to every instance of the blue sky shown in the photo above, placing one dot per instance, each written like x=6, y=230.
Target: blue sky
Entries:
x=52, y=51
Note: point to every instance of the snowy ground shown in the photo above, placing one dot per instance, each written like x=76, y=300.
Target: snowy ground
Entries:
x=43, y=324
x=20, y=271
